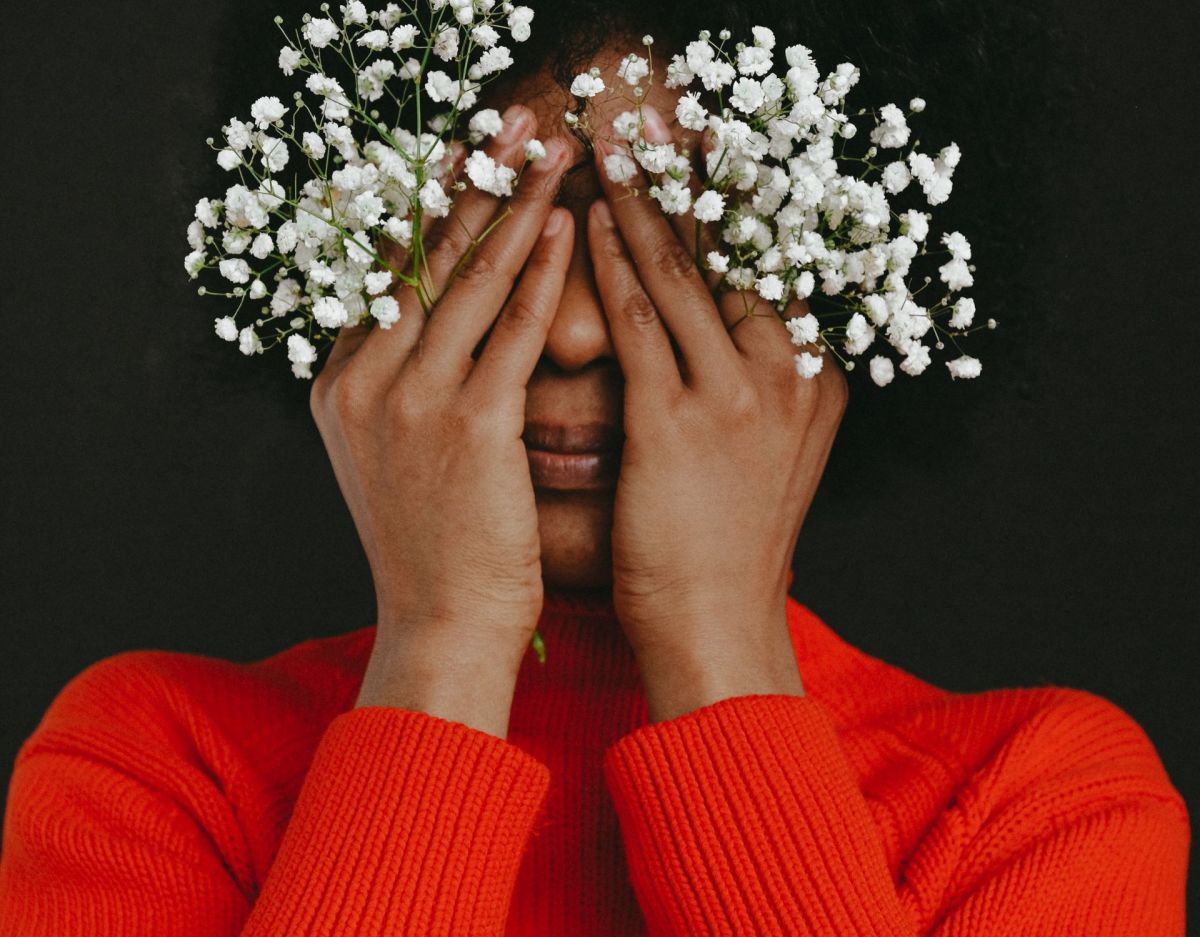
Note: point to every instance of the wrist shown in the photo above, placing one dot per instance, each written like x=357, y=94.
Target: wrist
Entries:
x=456, y=681
x=698, y=669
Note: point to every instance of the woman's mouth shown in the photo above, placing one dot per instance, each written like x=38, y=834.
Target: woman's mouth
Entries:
x=580, y=457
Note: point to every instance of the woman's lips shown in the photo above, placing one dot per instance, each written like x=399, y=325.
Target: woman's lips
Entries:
x=580, y=457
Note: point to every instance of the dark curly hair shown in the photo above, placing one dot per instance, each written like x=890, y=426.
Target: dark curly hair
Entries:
x=991, y=74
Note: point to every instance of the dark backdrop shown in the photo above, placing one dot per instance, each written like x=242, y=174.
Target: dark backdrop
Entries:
x=160, y=491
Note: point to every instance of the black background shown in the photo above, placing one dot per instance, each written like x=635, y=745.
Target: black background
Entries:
x=161, y=491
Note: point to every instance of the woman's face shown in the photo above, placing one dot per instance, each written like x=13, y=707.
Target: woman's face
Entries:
x=573, y=415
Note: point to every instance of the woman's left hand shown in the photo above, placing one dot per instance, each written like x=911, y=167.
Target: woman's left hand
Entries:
x=725, y=444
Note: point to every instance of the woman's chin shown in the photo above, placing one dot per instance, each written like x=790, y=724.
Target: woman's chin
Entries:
x=576, y=538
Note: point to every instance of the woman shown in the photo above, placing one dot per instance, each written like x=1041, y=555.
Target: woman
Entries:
x=580, y=439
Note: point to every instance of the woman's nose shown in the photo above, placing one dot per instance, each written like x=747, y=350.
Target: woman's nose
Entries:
x=579, y=334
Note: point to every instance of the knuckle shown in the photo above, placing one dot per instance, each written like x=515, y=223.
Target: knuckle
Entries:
x=521, y=314
x=671, y=258
x=481, y=267
x=742, y=402
x=348, y=397
x=639, y=310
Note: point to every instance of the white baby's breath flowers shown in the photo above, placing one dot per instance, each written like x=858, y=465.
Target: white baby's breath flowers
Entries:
x=330, y=182
x=798, y=212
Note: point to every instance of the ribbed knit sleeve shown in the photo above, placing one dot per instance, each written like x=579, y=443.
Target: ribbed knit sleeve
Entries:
x=744, y=816
x=405, y=824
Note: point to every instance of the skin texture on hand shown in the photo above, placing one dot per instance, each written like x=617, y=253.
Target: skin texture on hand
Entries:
x=425, y=441
x=725, y=445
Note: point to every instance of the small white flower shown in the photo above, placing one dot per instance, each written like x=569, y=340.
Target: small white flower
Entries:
x=433, y=199
x=267, y=110
x=587, y=85
x=484, y=36
x=228, y=159
x=619, y=167
x=691, y=113
x=488, y=175
x=534, y=150
x=235, y=271
x=313, y=144
x=377, y=281
x=248, y=341
x=193, y=263
x=492, y=61
x=769, y=287
x=916, y=358
x=262, y=246
x=964, y=367
x=882, y=370
x=955, y=274
x=403, y=37
x=633, y=69
x=206, y=213
x=302, y=354
x=964, y=313
x=859, y=335
x=320, y=32
x=627, y=125
x=958, y=245
x=445, y=43
x=518, y=22
x=330, y=312
x=803, y=329
x=804, y=284
x=354, y=13
x=376, y=40
x=386, y=311
x=289, y=58
x=717, y=262
x=808, y=365
x=896, y=177
x=747, y=95
x=915, y=224
x=258, y=289
x=227, y=328
x=486, y=123
x=709, y=207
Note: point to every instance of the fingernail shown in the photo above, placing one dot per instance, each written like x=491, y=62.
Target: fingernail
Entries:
x=552, y=159
x=655, y=124
x=554, y=223
x=602, y=212
x=514, y=122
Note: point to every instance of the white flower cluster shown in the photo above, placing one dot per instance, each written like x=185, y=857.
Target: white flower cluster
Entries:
x=326, y=181
x=797, y=216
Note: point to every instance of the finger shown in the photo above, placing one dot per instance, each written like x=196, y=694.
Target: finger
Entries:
x=380, y=349
x=638, y=333
x=443, y=243
x=349, y=339
x=519, y=335
x=669, y=274
x=447, y=241
x=757, y=329
x=698, y=238
x=470, y=306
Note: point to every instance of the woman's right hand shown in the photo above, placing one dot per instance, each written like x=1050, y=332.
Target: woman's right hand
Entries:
x=425, y=442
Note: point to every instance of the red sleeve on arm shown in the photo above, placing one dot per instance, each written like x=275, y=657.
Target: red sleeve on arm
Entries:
x=405, y=824
x=745, y=817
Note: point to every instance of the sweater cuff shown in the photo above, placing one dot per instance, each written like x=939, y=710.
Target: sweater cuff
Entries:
x=744, y=816
x=406, y=823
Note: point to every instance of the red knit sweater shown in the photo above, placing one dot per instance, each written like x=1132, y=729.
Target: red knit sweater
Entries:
x=173, y=794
